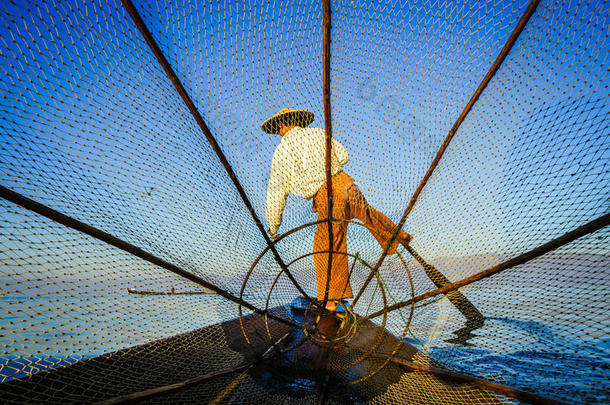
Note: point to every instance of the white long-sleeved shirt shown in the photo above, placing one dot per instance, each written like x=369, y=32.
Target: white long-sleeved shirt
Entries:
x=299, y=166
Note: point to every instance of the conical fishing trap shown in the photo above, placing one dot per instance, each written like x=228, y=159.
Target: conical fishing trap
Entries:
x=135, y=262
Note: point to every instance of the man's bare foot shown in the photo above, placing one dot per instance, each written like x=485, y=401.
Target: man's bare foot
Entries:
x=331, y=306
x=403, y=239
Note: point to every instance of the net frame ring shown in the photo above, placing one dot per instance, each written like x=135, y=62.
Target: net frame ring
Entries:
x=255, y=263
x=266, y=249
x=381, y=328
x=380, y=282
x=311, y=333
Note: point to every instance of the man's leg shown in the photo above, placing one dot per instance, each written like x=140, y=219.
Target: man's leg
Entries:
x=380, y=226
x=339, y=286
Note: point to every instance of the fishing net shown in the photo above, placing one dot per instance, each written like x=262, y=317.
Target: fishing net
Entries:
x=134, y=259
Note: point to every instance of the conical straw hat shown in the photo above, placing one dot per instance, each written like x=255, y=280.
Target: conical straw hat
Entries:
x=287, y=116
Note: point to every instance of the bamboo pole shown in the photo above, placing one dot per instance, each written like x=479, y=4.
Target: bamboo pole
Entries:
x=75, y=224
x=478, y=382
x=556, y=243
x=168, y=389
x=475, y=97
x=326, y=27
x=154, y=47
x=465, y=378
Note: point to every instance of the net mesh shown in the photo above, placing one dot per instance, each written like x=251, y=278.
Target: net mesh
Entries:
x=93, y=128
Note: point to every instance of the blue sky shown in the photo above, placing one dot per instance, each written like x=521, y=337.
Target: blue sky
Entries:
x=92, y=127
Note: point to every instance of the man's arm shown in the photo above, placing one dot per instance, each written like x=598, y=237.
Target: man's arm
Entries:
x=277, y=191
x=340, y=152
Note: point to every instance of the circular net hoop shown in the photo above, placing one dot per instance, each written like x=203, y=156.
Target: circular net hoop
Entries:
x=135, y=263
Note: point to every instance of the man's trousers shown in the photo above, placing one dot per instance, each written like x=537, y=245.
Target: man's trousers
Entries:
x=348, y=203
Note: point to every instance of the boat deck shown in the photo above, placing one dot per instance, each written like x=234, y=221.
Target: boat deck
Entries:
x=296, y=375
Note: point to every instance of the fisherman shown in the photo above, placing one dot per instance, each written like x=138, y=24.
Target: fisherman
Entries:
x=299, y=166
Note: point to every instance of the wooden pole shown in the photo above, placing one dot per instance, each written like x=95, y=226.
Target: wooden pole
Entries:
x=556, y=243
x=168, y=389
x=464, y=378
x=70, y=222
x=477, y=382
x=326, y=27
x=475, y=97
x=154, y=47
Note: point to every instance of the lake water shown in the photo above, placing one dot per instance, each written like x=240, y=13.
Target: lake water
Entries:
x=537, y=351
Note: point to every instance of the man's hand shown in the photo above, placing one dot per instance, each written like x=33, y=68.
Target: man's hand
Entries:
x=273, y=235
